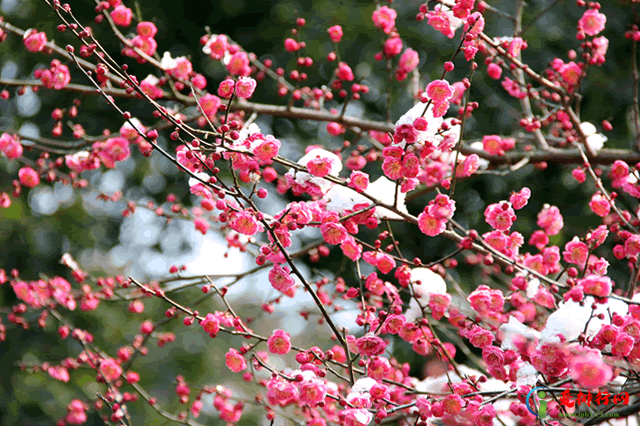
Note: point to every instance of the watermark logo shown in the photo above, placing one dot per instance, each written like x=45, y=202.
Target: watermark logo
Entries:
x=566, y=400
x=542, y=404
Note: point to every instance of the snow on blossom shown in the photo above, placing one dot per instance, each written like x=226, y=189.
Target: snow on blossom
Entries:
x=340, y=198
x=440, y=384
x=407, y=122
x=321, y=163
x=425, y=283
x=595, y=140
x=150, y=86
x=514, y=332
x=570, y=319
x=168, y=63
x=356, y=417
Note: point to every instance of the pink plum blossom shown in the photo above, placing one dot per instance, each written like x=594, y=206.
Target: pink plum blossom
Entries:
x=590, y=371
x=279, y=342
x=600, y=205
x=28, y=177
x=439, y=91
x=121, y=15
x=592, y=22
x=34, y=41
x=550, y=220
x=575, y=251
x=335, y=33
x=384, y=18
x=235, y=361
x=370, y=345
x=245, y=87
x=280, y=279
x=10, y=147
x=110, y=369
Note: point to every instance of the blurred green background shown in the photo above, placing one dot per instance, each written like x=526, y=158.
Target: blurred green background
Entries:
x=51, y=219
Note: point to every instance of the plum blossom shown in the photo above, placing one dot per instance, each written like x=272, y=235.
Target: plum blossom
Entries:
x=384, y=18
x=571, y=73
x=500, y=216
x=405, y=127
x=600, y=205
x=28, y=177
x=356, y=416
x=216, y=46
x=407, y=63
x=210, y=104
x=245, y=87
x=10, y=147
x=280, y=279
x=592, y=22
x=442, y=19
x=279, y=342
x=370, y=344
x=590, y=371
x=56, y=77
x=321, y=163
x=335, y=33
x=439, y=91
x=121, y=15
x=245, y=223
x=150, y=87
x=239, y=64
x=575, y=251
x=211, y=325
x=110, y=369
x=596, y=285
x=76, y=413
x=146, y=29
x=382, y=261
x=114, y=150
x=312, y=391
x=235, y=361
x=34, y=41
x=550, y=220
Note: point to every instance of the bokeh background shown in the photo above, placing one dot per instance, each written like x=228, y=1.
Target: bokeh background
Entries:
x=50, y=220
